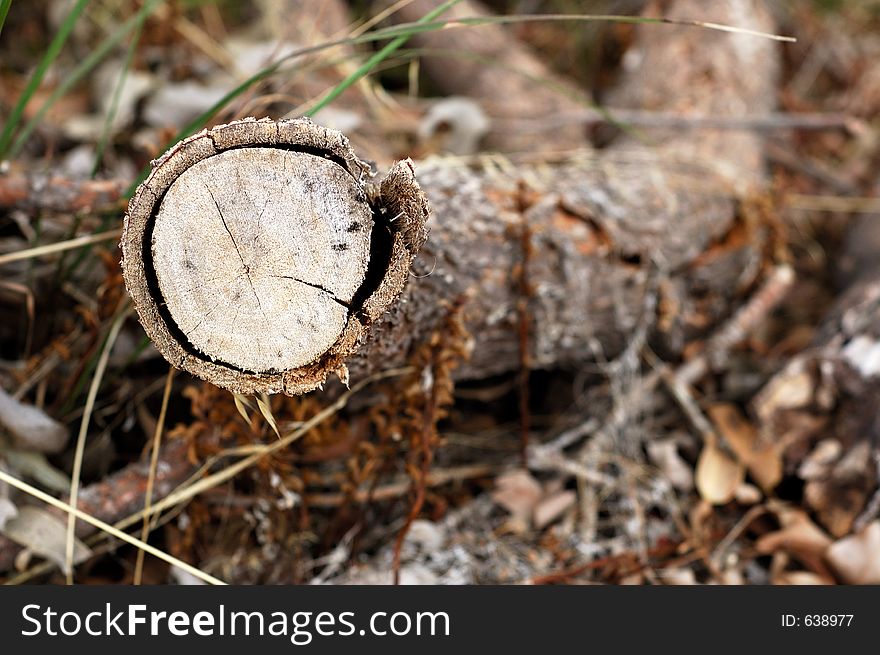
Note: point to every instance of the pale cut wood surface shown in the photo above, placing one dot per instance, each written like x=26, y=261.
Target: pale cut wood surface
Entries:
x=258, y=253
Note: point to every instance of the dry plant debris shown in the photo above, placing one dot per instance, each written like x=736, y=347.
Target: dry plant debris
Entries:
x=637, y=346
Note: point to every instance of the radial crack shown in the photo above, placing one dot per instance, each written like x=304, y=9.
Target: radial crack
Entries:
x=247, y=270
x=314, y=286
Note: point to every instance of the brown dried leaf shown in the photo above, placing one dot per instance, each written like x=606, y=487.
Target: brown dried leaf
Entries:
x=552, y=507
x=798, y=536
x=856, y=559
x=763, y=460
x=791, y=389
x=718, y=476
x=664, y=454
x=840, y=496
x=517, y=492
x=818, y=463
x=748, y=494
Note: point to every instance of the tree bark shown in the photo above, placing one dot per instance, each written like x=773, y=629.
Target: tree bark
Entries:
x=605, y=236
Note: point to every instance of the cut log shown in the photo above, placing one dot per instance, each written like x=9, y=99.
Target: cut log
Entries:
x=258, y=254
x=598, y=228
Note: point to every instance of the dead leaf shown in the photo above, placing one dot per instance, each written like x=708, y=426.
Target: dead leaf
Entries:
x=31, y=428
x=37, y=467
x=748, y=494
x=552, y=507
x=45, y=534
x=856, y=559
x=836, y=505
x=794, y=388
x=799, y=536
x=840, y=496
x=819, y=462
x=800, y=578
x=763, y=460
x=8, y=511
x=718, y=476
x=517, y=492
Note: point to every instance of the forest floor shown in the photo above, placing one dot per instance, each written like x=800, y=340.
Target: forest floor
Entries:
x=744, y=451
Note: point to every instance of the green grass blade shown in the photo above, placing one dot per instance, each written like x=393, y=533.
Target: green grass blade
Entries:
x=4, y=10
x=375, y=60
x=37, y=77
x=120, y=83
x=84, y=68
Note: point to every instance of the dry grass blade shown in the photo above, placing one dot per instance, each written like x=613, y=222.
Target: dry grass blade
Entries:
x=83, y=431
x=242, y=404
x=151, y=478
x=476, y=21
x=106, y=527
x=61, y=246
x=266, y=411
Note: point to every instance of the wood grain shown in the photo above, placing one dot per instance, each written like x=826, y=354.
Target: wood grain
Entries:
x=258, y=254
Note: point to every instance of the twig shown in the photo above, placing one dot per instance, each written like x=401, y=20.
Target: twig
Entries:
x=744, y=321
x=35, y=192
x=436, y=478
x=663, y=119
x=744, y=522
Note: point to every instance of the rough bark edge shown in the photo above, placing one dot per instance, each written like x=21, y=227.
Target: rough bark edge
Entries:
x=399, y=208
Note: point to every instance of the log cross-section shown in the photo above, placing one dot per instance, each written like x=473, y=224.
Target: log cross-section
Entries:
x=258, y=253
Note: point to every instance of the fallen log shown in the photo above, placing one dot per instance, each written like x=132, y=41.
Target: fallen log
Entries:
x=570, y=253
x=604, y=239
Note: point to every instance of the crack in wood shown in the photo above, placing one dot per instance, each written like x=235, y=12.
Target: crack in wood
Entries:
x=246, y=268
x=314, y=286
